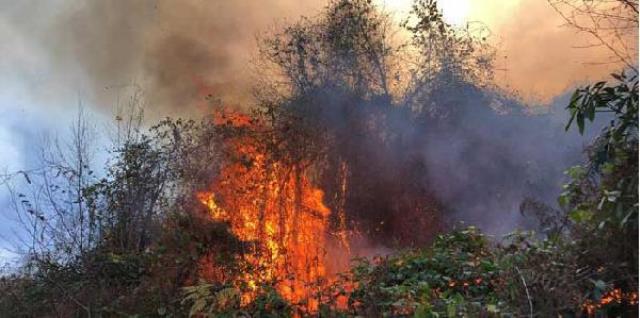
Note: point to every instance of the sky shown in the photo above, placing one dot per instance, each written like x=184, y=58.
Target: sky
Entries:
x=58, y=54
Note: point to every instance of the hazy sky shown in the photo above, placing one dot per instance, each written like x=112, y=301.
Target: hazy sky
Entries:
x=56, y=53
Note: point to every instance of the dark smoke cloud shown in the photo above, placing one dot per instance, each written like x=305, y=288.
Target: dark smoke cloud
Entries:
x=177, y=52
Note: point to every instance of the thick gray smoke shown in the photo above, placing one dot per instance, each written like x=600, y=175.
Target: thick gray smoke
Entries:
x=177, y=52
x=484, y=165
x=476, y=161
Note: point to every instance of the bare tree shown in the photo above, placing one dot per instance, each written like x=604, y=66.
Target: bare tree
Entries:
x=613, y=24
x=55, y=226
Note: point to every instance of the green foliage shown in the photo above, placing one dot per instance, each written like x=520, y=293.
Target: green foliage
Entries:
x=209, y=300
x=463, y=274
x=620, y=99
x=542, y=277
x=601, y=197
x=458, y=275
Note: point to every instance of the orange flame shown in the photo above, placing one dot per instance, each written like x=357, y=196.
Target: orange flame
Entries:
x=614, y=296
x=277, y=207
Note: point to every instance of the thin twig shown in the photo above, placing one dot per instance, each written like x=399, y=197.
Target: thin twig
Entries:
x=526, y=289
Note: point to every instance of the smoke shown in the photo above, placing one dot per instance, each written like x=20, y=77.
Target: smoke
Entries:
x=181, y=52
x=485, y=164
x=477, y=164
x=177, y=52
x=543, y=56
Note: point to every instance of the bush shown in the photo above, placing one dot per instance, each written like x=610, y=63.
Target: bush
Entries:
x=458, y=274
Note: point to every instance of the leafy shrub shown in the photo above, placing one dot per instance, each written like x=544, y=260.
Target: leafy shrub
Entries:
x=458, y=274
x=211, y=300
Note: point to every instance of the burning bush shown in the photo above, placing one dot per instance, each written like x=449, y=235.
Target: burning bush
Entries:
x=349, y=151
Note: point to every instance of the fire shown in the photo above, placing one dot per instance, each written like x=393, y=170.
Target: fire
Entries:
x=276, y=207
x=615, y=296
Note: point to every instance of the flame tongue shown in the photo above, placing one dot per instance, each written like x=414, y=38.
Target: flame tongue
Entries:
x=277, y=207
